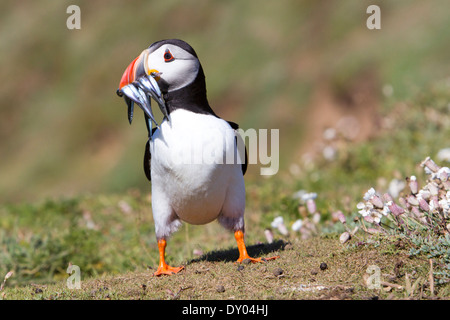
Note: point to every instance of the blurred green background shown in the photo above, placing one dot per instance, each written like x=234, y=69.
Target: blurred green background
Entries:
x=297, y=66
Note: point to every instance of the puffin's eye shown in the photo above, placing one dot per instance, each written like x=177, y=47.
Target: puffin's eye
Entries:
x=168, y=56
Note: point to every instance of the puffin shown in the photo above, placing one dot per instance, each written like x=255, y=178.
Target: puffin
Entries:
x=195, y=160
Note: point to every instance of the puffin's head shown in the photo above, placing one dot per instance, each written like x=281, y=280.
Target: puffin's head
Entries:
x=173, y=63
x=166, y=66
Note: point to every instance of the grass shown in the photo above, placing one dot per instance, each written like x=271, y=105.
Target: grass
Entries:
x=103, y=234
x=297, y=274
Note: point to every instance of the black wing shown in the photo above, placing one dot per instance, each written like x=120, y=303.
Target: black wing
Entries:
x=235, y=126
x=148, y=158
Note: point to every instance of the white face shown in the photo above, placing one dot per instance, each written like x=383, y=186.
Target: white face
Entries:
x=177, y=67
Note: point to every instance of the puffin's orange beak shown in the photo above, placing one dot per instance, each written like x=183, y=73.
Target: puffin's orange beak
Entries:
x=129, y=74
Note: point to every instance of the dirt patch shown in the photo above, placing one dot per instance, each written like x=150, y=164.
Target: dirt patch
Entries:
x=351, y=110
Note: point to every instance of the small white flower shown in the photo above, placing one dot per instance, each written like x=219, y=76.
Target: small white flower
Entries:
x=299, y=194
x=423, y=194
x=444, y=204
x=308, y=196
x=329, y=134
x=364, y=212
x=277, y=221
x=360, y=205
x=443, y=155
x=443, y=170
x=329, y=153
x=376, y=216
x=395, y=187
x=297, y=225
x=386, y=210
x=369, y=205
x=316, y=218
x=373, y=217
x=433, y=188
x=369, y=194
x=431, y=205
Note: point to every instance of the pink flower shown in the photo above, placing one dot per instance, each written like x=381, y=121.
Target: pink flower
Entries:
x=395, y=209
x=269, y=235
x=413, y=200
x=311, y=205
x=278, y=223
x=345, y=237
x=387, y=197
x=377, y=202
x=413, y=185
x=430, y=164
x=424, y=205
x=341, y=217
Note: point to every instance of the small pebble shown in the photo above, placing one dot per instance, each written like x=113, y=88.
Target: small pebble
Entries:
x=246, y=261
x=220, y=289
x=277, y=272
x=240, y=267
x=314, y=272
x=323, y=266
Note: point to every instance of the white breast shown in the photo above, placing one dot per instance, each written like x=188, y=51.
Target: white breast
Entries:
x=189, y=162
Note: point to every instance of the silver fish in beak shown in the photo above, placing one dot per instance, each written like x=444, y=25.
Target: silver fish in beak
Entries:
x=139, y=86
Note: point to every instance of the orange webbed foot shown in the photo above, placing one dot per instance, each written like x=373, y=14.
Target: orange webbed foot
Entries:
x=168, y=270
x=255, y=260
x=243, y=255
x=164, y=268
